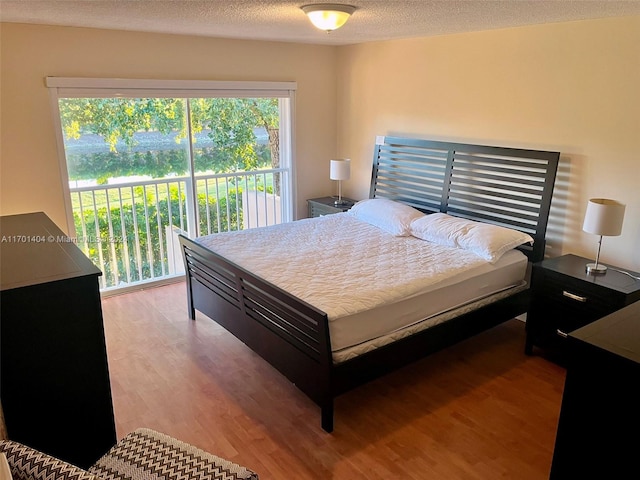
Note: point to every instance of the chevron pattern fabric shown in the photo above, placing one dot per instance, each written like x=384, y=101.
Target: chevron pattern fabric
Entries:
x=150, y=455
x=28, y=464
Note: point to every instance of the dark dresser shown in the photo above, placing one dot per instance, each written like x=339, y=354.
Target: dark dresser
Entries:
x=599, y=421
x=54, y=385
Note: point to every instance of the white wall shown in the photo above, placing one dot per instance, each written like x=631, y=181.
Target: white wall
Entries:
x=568, y=87
x=30, y=179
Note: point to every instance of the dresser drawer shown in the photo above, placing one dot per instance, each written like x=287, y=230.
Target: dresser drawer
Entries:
x=317, y=210
x=582, y=299
x=326, y=206
x=563, y=319
x=549, y=321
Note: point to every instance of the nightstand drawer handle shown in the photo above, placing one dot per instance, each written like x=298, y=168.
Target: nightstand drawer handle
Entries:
x=561, y=333
x=573, y=296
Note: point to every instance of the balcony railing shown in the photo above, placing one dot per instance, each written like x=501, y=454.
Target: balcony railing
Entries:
x=129, y=230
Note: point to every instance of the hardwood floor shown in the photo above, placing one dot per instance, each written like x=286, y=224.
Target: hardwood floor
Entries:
x=478, y=410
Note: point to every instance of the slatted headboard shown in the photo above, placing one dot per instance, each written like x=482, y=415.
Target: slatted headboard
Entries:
x=511, y=187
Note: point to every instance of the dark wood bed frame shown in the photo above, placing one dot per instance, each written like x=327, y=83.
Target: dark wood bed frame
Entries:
x=505, y=186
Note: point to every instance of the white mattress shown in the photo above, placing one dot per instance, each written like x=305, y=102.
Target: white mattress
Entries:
x=368, y=282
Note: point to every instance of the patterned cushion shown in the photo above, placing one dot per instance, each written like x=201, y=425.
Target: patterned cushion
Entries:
x=28, y=464
x=149, y=455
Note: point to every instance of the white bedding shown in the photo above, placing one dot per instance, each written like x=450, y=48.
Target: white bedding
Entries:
x=368, y=282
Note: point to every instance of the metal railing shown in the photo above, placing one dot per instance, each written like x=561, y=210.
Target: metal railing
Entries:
x=129, y=230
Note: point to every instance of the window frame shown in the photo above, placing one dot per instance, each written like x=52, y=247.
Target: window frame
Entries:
x=77, y=87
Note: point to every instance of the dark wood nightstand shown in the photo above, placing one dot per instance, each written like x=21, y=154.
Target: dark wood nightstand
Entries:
x=327, y=206
x=564, y=297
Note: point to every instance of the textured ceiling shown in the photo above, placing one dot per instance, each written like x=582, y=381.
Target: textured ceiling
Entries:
x=282, y=20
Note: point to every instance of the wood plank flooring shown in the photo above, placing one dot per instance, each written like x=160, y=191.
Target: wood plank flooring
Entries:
x=478, y=410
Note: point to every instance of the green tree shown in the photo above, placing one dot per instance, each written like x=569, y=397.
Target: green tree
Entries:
x=229, y=122
x=117, y=119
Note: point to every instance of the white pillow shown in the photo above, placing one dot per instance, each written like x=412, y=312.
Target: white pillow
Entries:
x=439, y=228
x=392, y=217
x=487, y=241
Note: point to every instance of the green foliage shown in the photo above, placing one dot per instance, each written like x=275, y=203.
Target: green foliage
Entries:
x=107, y=242
x=155, y=164
x=118, y=137
x=120, y=118
x=230, y=124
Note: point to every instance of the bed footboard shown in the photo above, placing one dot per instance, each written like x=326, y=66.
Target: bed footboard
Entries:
x=510, y=187
x=290, y=334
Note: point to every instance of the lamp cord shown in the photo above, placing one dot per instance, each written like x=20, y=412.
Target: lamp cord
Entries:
x=626, y=273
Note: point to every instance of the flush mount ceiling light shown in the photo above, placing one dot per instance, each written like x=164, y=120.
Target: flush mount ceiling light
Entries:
x=328, y=16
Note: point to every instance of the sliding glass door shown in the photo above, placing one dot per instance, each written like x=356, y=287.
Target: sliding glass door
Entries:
x=141, y=169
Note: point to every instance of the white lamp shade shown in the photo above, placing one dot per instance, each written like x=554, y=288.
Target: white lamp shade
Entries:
x=340, y=169
x=604, y=217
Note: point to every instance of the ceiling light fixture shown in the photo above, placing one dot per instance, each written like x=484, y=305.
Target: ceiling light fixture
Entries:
x=328, y=16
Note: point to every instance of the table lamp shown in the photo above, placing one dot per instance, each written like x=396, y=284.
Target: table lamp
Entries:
x=603, y=217
x=340, y=170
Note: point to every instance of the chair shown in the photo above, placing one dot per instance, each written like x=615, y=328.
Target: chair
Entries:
x=143, y=454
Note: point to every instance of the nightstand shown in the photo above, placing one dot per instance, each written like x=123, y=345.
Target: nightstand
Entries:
x=327, y=206
x=564, y=297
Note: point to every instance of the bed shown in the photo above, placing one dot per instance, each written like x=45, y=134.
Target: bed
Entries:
x=328, y=327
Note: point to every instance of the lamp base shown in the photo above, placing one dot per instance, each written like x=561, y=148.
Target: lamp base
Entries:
x=596, y=269
x=340, y=203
